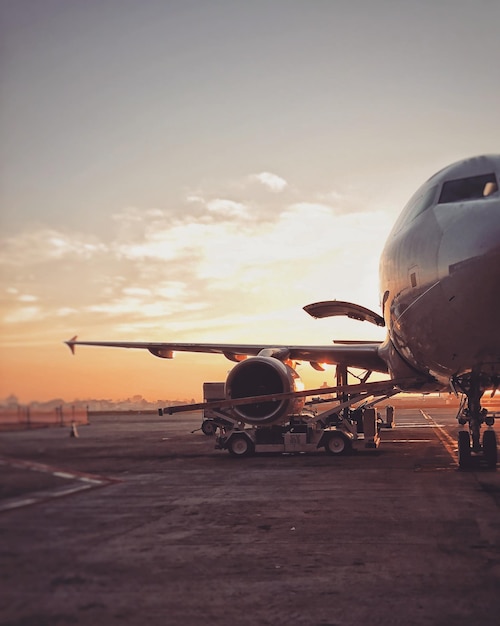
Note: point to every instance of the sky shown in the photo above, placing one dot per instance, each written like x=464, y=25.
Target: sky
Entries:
x=194, y=170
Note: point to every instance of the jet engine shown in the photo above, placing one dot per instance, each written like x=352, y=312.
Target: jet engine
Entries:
x=262, y=375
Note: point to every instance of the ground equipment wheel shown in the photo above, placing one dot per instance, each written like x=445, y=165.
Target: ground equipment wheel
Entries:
x=337, y=444
x=464, y=452
x=490, y=448
x=240, y=445
x=208, y=428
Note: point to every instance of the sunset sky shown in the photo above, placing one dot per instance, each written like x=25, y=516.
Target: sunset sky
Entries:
x=195, y=170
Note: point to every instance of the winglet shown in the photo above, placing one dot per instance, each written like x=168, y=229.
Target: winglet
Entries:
x=71, y=343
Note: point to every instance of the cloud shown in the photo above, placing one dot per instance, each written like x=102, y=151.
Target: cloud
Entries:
x=45, y=245
x=228, y=208
x=65, y=311
x=27, y=298
x=136, y=215
x=271, y=181
x=194, y=199
x=210, y=269
x=23, y=314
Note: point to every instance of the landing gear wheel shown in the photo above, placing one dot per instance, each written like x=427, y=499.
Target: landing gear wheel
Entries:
x=490, y=448
x=337, y=444
x=208, y=428
x=240, y=445
x=464, y=451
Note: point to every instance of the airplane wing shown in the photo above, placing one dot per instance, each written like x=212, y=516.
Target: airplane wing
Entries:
x=354, y=354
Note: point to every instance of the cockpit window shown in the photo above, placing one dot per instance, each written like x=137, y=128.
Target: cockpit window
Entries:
x=470, y=188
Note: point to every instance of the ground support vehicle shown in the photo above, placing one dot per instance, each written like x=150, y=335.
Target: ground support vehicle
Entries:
x=267, y=425
x=336, y=434
x=211, y=420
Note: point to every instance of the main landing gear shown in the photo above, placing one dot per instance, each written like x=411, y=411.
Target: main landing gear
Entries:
x=471, y=451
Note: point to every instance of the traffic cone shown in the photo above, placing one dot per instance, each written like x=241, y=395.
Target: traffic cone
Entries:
x=73, y=432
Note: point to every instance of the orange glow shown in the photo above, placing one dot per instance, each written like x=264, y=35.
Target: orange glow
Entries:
x=52, y=372
x=42, y=374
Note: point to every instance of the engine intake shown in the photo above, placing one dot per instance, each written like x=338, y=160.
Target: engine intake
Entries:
x=258, y=376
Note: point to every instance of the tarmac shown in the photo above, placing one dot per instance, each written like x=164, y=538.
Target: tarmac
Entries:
x=140, y=521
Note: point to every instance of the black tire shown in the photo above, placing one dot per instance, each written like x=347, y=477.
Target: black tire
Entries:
x=490, y=448
x=240, y=446
x=464, y=451
x=336, y=444
x=208, y=428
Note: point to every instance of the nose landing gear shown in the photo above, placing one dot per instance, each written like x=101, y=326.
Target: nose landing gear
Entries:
x=478, y=454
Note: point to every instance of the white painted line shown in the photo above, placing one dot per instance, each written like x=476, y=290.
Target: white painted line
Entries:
x=84, y=483
x=399, y=426
x=17, y=503
x=407, y=441
x=68, y=490
x=64, y=475
x=92, y=481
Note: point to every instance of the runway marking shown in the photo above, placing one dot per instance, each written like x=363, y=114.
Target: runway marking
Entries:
x=447, y=441
x=85, y=482
x=63, y=474
x=414, y=425
x=407, y=441
x=17, y=503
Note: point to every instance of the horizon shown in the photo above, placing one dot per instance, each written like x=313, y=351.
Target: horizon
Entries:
x=448, y=397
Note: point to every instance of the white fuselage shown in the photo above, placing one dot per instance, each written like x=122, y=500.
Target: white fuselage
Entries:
x=440, y=274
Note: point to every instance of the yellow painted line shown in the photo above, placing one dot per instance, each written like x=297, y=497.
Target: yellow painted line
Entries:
x=447, y=441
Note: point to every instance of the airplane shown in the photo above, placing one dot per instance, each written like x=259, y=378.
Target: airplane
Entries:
x=440, y=303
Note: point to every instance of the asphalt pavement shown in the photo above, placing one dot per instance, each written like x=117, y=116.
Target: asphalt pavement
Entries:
x=138, y=520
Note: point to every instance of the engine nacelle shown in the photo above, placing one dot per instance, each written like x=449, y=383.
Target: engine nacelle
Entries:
x=258, y=376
